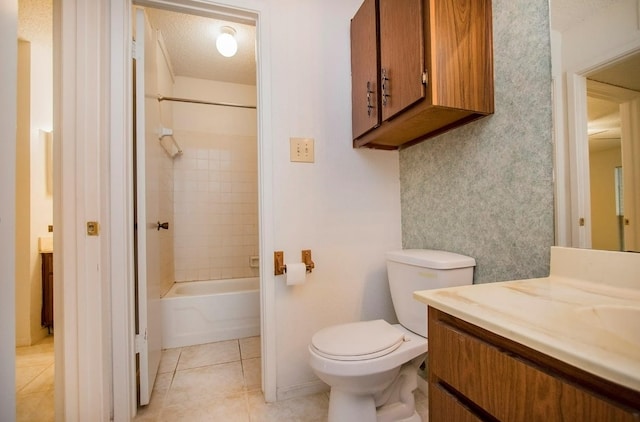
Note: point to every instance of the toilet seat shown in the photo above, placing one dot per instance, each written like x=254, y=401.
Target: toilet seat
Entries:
x=357, y=341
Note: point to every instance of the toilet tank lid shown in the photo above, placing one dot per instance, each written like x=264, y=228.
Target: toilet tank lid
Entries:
x=429, y=258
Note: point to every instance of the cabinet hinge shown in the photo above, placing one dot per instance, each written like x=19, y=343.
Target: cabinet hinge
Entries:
x=425, y=77
x=140, y=341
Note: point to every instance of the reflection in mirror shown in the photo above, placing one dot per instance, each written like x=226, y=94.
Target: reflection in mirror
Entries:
x=613, y=108
x=581, y=55
x=619, y=189
x=605, y=155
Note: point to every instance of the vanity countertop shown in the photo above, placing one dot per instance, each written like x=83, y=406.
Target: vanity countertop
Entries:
x=45, y=244
x=588, y=323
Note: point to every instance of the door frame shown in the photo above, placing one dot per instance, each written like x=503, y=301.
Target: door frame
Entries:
x=578, y=142
x=8, y=83
x=121, y=183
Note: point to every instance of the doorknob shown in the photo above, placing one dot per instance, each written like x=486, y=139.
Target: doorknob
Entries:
x=163, y=226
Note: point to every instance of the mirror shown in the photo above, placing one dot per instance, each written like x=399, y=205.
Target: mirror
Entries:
x=596, y=91
x=611, y=91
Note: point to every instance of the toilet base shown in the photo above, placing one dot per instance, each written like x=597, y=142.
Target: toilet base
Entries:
x=347, y=407
x=350, y=407
x=393, y=404
x=413, y=418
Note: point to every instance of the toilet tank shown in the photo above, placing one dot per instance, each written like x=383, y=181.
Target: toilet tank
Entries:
x=410, y=270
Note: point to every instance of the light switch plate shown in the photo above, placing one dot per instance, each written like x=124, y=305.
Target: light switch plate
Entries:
x=301, y=150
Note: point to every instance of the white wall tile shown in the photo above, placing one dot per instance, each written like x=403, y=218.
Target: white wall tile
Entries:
x=216, y=200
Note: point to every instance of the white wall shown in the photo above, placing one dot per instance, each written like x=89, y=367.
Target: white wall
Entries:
x=23, y=198
x=35, y=25
x=617, y=31
x=345, y=207
x=41, y=201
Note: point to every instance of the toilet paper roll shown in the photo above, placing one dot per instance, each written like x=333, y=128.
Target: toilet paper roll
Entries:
x=296, y=273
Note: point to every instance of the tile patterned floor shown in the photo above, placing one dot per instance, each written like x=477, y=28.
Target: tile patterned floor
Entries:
x=221, y=382
x=210, y=382
x=34, y=382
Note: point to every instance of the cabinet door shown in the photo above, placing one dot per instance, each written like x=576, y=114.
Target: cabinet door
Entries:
x=401, y=55
x=461, y=63
x=364, y=69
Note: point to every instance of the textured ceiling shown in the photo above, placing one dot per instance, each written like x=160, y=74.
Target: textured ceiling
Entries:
x=35, y=21
x=191, y=44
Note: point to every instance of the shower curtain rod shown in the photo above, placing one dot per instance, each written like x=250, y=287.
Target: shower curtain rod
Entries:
x=187, y=100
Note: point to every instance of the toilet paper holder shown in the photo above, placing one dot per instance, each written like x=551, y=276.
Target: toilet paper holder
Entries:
x=280, y=267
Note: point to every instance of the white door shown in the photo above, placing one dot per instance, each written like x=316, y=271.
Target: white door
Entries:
x=148, y=339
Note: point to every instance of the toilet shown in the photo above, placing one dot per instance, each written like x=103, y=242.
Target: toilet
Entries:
x=372, y=366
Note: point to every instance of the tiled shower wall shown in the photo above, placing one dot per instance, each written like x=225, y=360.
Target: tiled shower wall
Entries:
x=215, y=182
x=215, y=206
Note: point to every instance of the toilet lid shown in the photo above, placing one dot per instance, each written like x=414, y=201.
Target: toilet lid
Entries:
x=357, y=340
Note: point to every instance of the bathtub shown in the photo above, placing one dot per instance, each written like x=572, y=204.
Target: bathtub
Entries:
x=198, y=312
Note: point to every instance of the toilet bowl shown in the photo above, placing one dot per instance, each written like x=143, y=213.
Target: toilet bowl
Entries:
x=372, y=366
x=361, y=373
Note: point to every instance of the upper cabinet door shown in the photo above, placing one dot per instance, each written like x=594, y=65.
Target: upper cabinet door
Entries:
x=401, y=55
x=462, y=54
x=365, y=89
x=430, y=72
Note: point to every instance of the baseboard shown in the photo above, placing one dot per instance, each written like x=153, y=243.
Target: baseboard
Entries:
x=300, y=390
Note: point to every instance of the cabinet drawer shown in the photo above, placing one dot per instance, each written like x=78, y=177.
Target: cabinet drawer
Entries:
x=444, y=403
x=506, y=386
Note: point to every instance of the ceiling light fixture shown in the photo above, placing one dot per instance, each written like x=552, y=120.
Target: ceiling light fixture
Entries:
x=226, y=42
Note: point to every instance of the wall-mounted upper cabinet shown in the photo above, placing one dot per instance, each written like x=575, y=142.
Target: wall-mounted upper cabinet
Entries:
x=418, y=69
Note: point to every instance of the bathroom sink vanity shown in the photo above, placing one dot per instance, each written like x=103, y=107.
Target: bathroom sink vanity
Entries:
x=560, y=348
x=45, y=247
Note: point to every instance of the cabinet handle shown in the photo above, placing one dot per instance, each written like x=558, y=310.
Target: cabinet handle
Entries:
x=384, y=86
x=369, y=105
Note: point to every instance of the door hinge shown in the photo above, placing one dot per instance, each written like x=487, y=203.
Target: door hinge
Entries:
x=134, y=51
x=140, y=341
x=581, y=222
x=425, y=77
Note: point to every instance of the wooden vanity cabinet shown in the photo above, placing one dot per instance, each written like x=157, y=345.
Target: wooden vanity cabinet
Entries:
x=476, y=375
x=46, y=316
x=419, y=68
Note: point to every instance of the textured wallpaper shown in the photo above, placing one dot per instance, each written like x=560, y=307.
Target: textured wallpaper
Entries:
x=486, y=189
